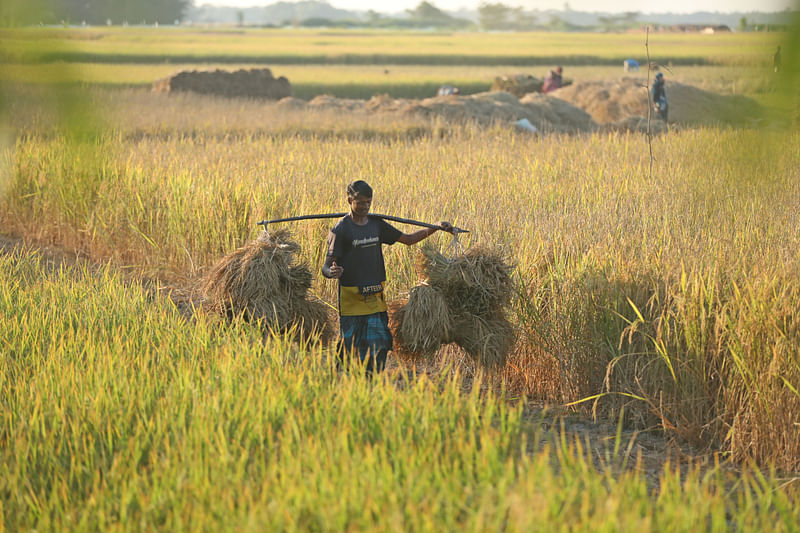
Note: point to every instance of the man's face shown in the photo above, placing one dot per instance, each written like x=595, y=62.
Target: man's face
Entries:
x=360, y=205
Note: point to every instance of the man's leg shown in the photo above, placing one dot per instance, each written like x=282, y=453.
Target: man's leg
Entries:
x=348, y=344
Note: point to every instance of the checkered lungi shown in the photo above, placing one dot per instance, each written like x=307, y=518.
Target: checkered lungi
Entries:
x=366, y=335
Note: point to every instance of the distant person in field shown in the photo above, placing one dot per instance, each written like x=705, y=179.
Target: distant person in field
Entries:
x=658, y=96
x=355, y=258
x=776, y=60
x=553, y=80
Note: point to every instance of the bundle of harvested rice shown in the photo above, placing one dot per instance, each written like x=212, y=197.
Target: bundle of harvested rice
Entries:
x=461, y=301
x=260, y=281
x=312, y=317
x=488, y=340
x=396, y=318
x=426, y=320
x=476, y=282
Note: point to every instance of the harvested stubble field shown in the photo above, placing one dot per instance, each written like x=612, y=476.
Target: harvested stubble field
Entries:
x=665, y=302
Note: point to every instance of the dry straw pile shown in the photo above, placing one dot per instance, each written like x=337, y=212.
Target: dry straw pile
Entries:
x=518, y=84
x=251, y=83
x=616, y=101
x=261, y=281
x=461, y=300
x=548, y=114
x=521, y=84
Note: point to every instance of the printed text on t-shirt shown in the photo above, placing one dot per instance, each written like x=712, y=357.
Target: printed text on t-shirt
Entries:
x=367, y=241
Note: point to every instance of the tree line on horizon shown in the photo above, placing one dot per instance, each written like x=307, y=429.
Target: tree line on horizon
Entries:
x=92, y=12
x=489, y=16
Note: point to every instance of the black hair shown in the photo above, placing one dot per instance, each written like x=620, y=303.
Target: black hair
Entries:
x=359, y=187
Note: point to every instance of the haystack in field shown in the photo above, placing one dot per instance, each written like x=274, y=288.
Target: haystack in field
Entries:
x=517, y=84
x=261, y=281
x=614, y=101
x=521, y=84
x=462, y=300
x=548, y=114
x=250, y=83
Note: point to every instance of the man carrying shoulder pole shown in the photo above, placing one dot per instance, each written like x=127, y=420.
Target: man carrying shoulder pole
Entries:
x=355, y=258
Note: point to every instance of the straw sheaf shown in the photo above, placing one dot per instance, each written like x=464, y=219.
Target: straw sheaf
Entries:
x=476, y=282
x=260, y=281
x=488, y=341
x=312, y=317
x=396, y=311
x=462, y=302
x=426, y=320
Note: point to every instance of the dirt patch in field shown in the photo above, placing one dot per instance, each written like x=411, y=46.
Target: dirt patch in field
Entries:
x=547, y=114
x=602, y=442
x=254, y=83
x=618, y=101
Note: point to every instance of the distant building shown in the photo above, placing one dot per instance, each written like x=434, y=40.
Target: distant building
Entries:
x=699, y=28
x=710, y=30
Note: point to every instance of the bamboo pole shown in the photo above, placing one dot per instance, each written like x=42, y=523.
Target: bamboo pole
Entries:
x=265, y=223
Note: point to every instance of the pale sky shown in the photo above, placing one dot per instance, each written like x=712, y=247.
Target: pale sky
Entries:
x=611, y=6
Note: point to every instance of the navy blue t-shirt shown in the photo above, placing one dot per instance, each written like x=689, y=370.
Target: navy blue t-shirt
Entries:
x=357, y=250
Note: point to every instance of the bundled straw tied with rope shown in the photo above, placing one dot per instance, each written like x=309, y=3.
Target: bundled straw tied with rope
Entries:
x=427, y=321
x=261, y=282
x=487, y=339
x=468, y=295
x=477, y=281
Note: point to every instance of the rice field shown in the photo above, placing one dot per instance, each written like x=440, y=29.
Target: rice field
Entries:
x=399, y=81
x=292, y=46
x=401, y=64
x=119, y=414
x=660, y=294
